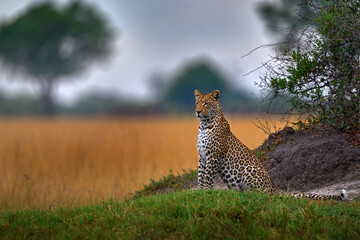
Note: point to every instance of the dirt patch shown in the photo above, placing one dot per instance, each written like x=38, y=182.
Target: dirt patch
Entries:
x=306, y=160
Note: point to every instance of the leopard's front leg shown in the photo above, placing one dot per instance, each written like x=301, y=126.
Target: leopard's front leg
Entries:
x=201, y=172
x=211, y=169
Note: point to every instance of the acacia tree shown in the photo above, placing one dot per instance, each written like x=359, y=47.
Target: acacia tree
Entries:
x=49, y=43
x=321, y=70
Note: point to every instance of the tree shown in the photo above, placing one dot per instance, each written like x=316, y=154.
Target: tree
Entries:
x=49, y=43
x=204, y=76
x=321, y=72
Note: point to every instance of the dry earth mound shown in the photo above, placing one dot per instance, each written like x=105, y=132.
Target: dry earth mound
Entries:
x=312, y=161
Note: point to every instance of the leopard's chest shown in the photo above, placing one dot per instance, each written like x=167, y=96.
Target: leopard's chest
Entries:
x=204, y=142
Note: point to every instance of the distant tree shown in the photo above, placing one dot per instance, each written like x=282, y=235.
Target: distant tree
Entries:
x=97, y=102
x=19, y=105
x=205, y=77
x=48, y=43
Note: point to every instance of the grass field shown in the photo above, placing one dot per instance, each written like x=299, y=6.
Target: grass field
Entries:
x=67, y=162
x=202, y=214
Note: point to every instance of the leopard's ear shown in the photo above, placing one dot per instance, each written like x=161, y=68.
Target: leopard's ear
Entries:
x=197, y=94
x=216, y=94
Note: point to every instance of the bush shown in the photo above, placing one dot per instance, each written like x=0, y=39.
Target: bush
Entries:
x=321, y=70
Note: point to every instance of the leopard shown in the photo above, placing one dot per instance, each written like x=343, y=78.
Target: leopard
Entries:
x=222, y=154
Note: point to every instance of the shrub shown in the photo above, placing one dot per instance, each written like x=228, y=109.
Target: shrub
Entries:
x=320, y=72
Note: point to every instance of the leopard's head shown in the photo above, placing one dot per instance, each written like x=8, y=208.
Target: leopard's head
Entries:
x=207, y=105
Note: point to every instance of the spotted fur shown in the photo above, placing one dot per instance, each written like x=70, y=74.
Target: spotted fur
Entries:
x=220, y=152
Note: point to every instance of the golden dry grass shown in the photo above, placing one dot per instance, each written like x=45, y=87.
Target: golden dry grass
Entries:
x=64, y=162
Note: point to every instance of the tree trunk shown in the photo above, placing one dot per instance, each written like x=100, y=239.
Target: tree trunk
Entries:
x=47, y=89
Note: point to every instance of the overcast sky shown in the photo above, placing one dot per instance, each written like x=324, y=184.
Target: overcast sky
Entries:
x=159, y=36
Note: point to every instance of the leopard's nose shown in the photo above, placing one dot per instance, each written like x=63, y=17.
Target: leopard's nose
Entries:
x=198, y=112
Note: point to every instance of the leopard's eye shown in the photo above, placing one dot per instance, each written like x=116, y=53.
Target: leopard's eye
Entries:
x=206, y=103
x=196, y=102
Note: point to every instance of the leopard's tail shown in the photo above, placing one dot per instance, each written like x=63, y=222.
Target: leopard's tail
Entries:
x=342, y=197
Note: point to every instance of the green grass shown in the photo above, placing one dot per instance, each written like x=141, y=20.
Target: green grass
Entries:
x=190, y=214
x=169, y=183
